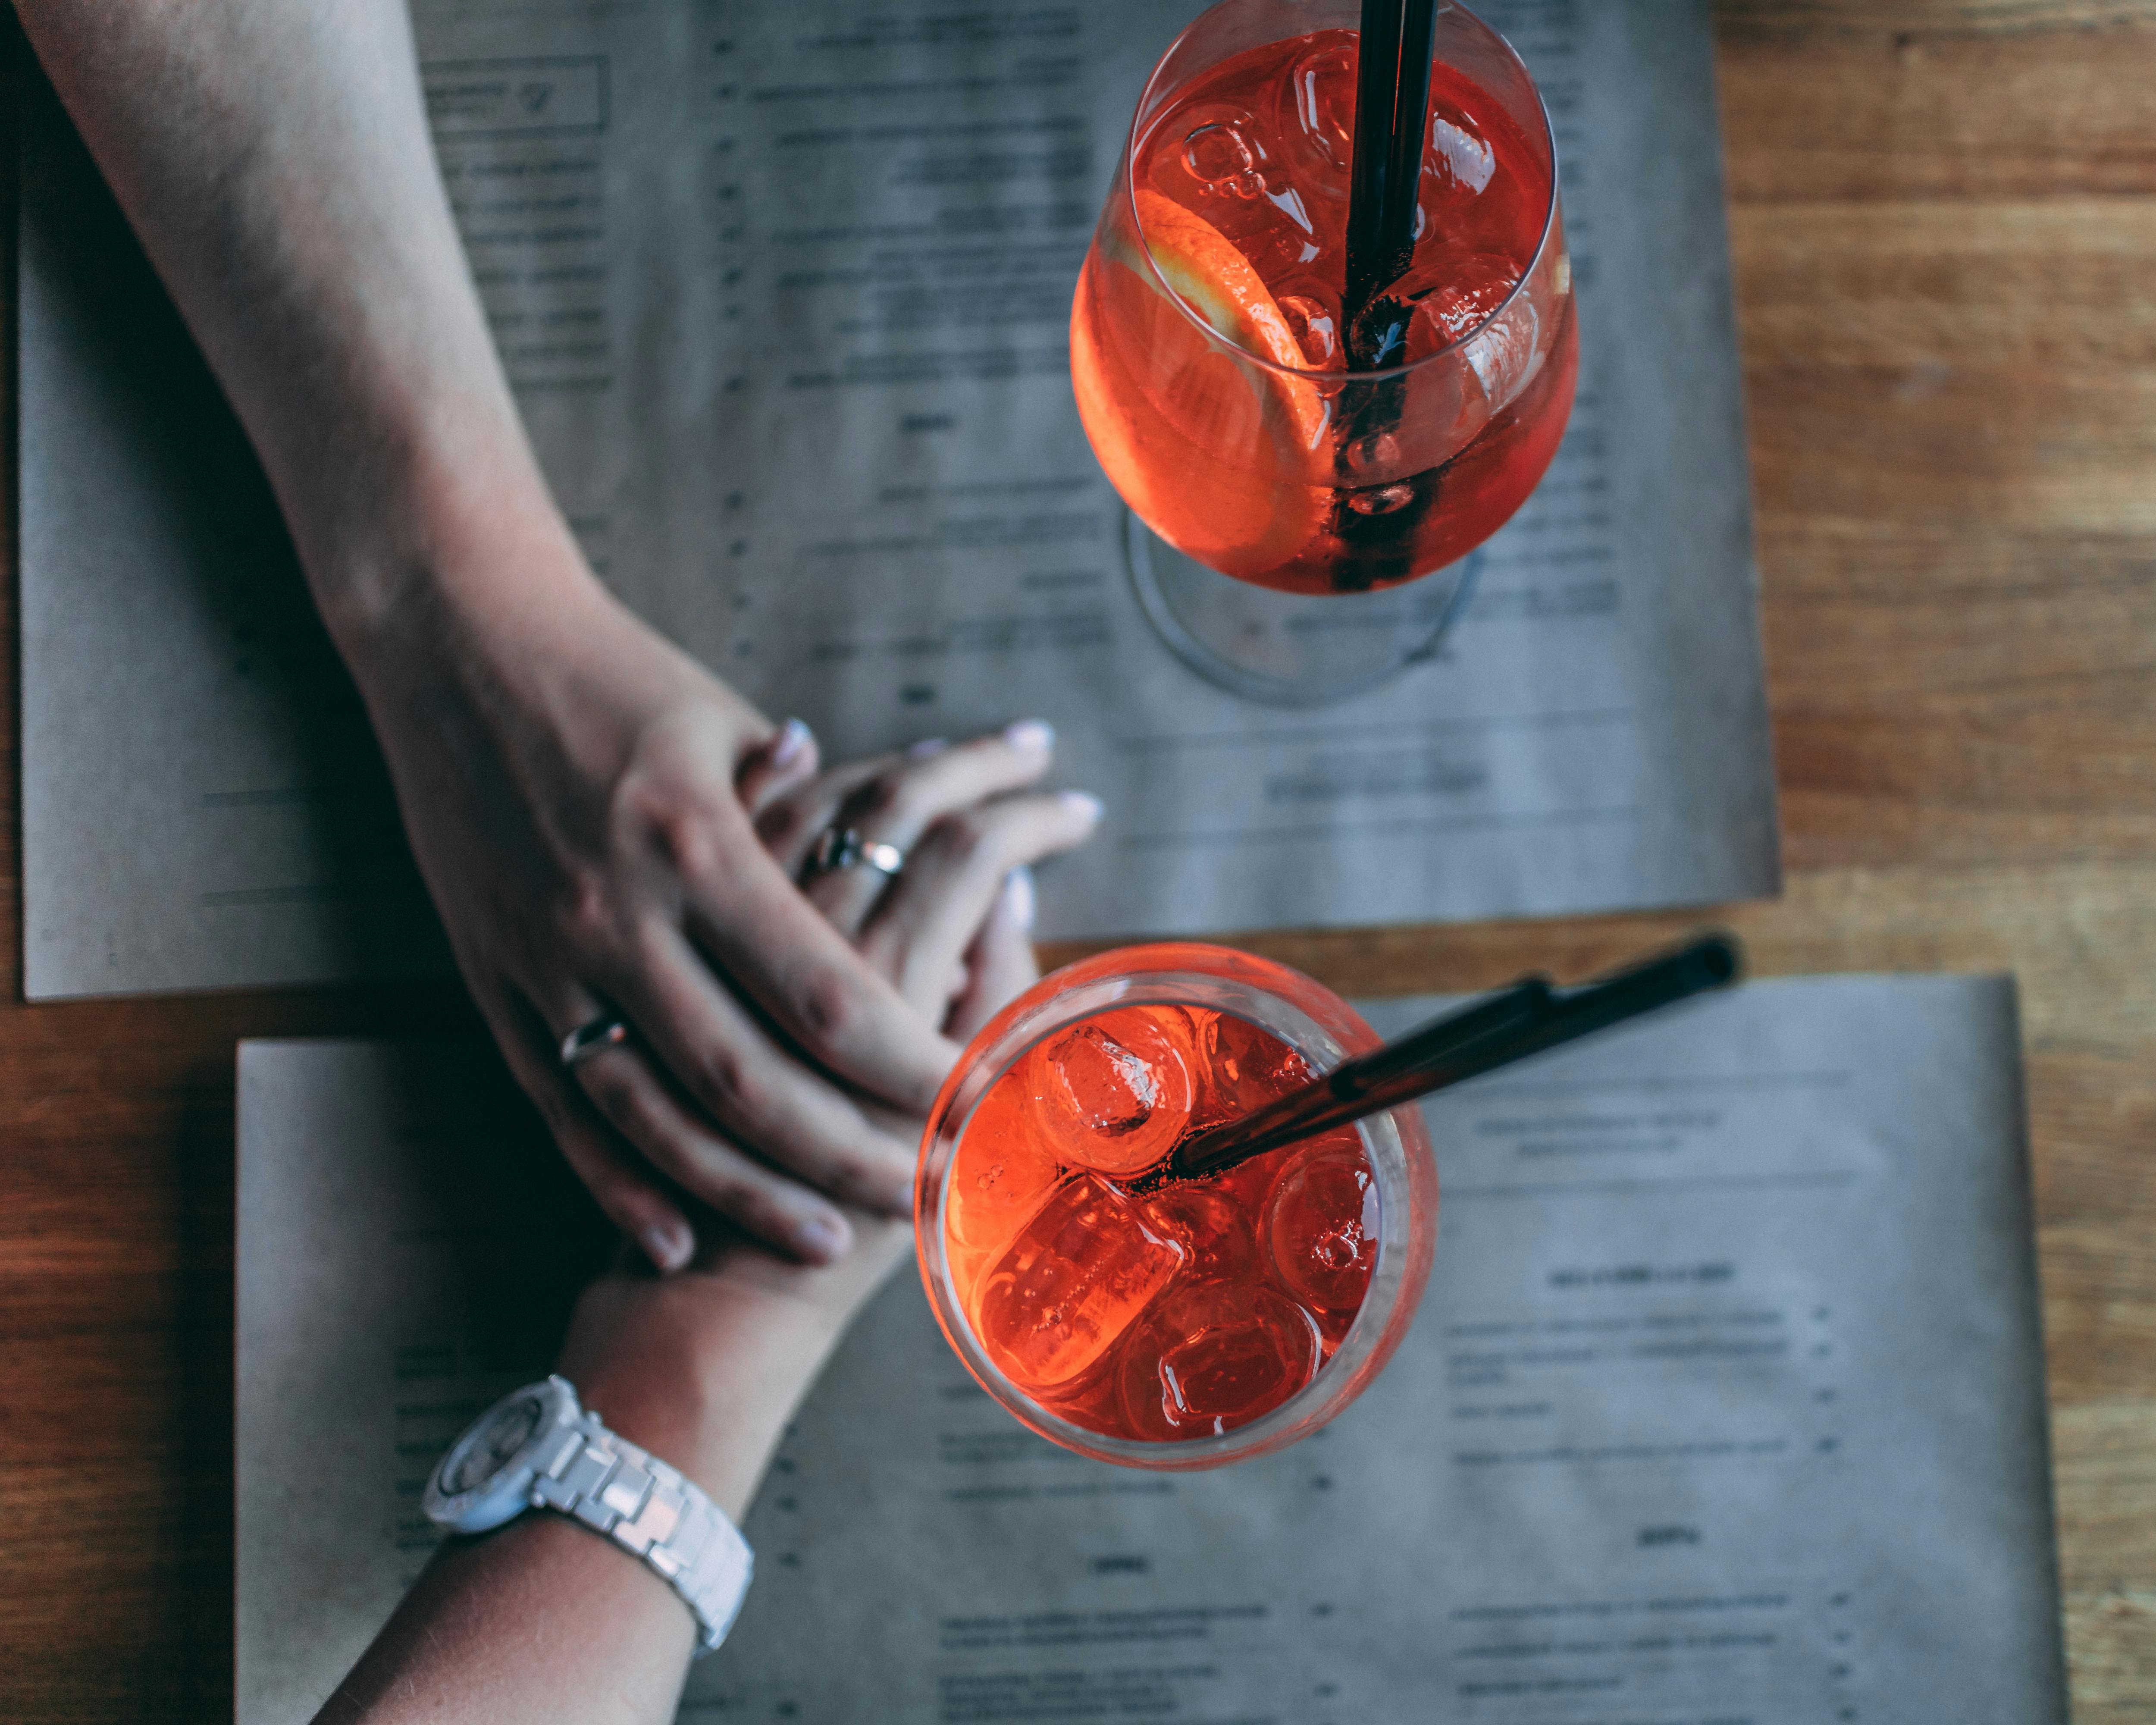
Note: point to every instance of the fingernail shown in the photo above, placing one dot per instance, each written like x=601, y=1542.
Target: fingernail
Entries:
x=1083, y=803
x=792, y=741
x=820, y=1240
x=927, y=746
x=1030, y=734
x=667, y=1244
x=1019, y=895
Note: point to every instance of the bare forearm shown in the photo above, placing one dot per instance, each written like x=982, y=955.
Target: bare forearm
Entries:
x=543, y=1619
x=274, y=155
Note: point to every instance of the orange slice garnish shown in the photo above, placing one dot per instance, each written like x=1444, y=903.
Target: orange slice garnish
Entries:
x=1225, y=459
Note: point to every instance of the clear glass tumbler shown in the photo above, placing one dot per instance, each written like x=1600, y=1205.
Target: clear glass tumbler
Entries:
x=1316, y=1024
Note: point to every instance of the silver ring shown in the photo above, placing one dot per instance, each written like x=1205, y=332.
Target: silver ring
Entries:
x=843, y=848
x=596, y=1038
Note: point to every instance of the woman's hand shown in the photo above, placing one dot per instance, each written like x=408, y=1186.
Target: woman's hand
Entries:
x=582, y=799
x=665, y=1357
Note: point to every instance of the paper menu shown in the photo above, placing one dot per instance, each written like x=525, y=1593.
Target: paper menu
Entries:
x=782, y=293
x=1726, y=1402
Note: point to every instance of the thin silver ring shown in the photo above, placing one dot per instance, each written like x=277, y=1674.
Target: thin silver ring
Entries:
x=596, y=1038
x=843, y=848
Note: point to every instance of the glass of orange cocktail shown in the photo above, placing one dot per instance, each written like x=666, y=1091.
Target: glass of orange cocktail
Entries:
x=1157, y=1322
x=1265, y=427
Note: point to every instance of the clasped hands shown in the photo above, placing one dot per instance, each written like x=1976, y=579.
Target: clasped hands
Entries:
x=608, y=829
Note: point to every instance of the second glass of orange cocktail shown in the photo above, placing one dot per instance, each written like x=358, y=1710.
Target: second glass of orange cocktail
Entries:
x=1151, y=1320
x=1264, y=420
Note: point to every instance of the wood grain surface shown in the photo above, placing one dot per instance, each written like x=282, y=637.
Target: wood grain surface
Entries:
x=1945, y=222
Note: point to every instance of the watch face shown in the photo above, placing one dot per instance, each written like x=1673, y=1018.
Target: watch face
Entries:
x=485, y=1451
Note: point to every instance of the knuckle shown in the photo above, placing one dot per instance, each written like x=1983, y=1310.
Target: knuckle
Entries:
x=728, y=1084
x=967, y=834
x=829, y=1009
x=587, y=914
x=890, y=797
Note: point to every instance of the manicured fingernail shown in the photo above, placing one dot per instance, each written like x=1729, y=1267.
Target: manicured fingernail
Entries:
x=1030, y=734
x=667, y=1244
x=1019, y=897
x=1083, y=803
x=927, y=746
x=820, y=1240
x=792, y=741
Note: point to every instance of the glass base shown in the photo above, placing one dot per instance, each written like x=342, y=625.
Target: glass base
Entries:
x=1285, y=648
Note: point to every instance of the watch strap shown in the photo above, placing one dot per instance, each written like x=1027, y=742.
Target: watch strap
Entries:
x=650, y=1510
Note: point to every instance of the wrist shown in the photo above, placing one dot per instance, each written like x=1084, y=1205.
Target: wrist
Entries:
x=708, y=1391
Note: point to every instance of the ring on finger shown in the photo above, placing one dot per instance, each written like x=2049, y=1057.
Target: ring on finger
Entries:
x=592, y=1039
x=843, y=848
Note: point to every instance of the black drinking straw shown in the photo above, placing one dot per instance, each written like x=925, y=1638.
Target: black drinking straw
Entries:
x=1391, y=106
x=1526, y=1019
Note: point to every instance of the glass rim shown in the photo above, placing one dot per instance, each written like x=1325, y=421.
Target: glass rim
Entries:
x=1127, y=189
x=1306, y=1408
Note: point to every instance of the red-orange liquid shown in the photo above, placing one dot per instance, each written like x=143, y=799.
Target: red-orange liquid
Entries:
x=1143, y=1311
x=1263, y=475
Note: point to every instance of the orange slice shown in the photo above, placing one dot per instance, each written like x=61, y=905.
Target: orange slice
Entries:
x=1225, y=458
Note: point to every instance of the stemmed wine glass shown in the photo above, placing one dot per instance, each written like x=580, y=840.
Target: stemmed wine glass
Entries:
x=1315, y=425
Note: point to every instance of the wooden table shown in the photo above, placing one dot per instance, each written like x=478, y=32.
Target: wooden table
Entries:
x=1944, y=218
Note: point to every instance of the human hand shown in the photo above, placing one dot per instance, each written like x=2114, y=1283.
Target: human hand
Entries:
x=703, y=1366
x=569, y=781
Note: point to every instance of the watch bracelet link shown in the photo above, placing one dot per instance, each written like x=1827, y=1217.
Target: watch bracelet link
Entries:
x=650, y=1510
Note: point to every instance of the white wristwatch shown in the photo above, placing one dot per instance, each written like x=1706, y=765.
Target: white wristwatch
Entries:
x=537, y=1449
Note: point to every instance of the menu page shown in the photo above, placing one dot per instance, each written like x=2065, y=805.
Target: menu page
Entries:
x=1725, y=1403
x=783, y=294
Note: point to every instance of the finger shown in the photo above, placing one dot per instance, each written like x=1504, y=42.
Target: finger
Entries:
x=901, y=805
x=1000, y=965
x=755, y=1091
x=921, y=934
x=788, y=758
x=751, y=926
x=621, y=1184
x=781, y=1212
x=790, y=824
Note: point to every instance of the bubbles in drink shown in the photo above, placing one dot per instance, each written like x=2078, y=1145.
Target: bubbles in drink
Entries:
x=1113, y=1093
x=1322, y=1224
x=1219, y=158
x=1068, y=1287
x=1215, y=1356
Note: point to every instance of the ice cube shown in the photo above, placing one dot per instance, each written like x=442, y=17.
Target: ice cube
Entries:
x=1452, y=295
x=1322, y=141
x=1113, y=1093
x=1221, y=161
x=1314, y=328
x=1079, y=1273
x=1506, y=353
x=1000, y=1172
x=1322, y=1224
x=1460, y=159
x=1218, y=1236
x=1215, y=1356
x=1240, y=1066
